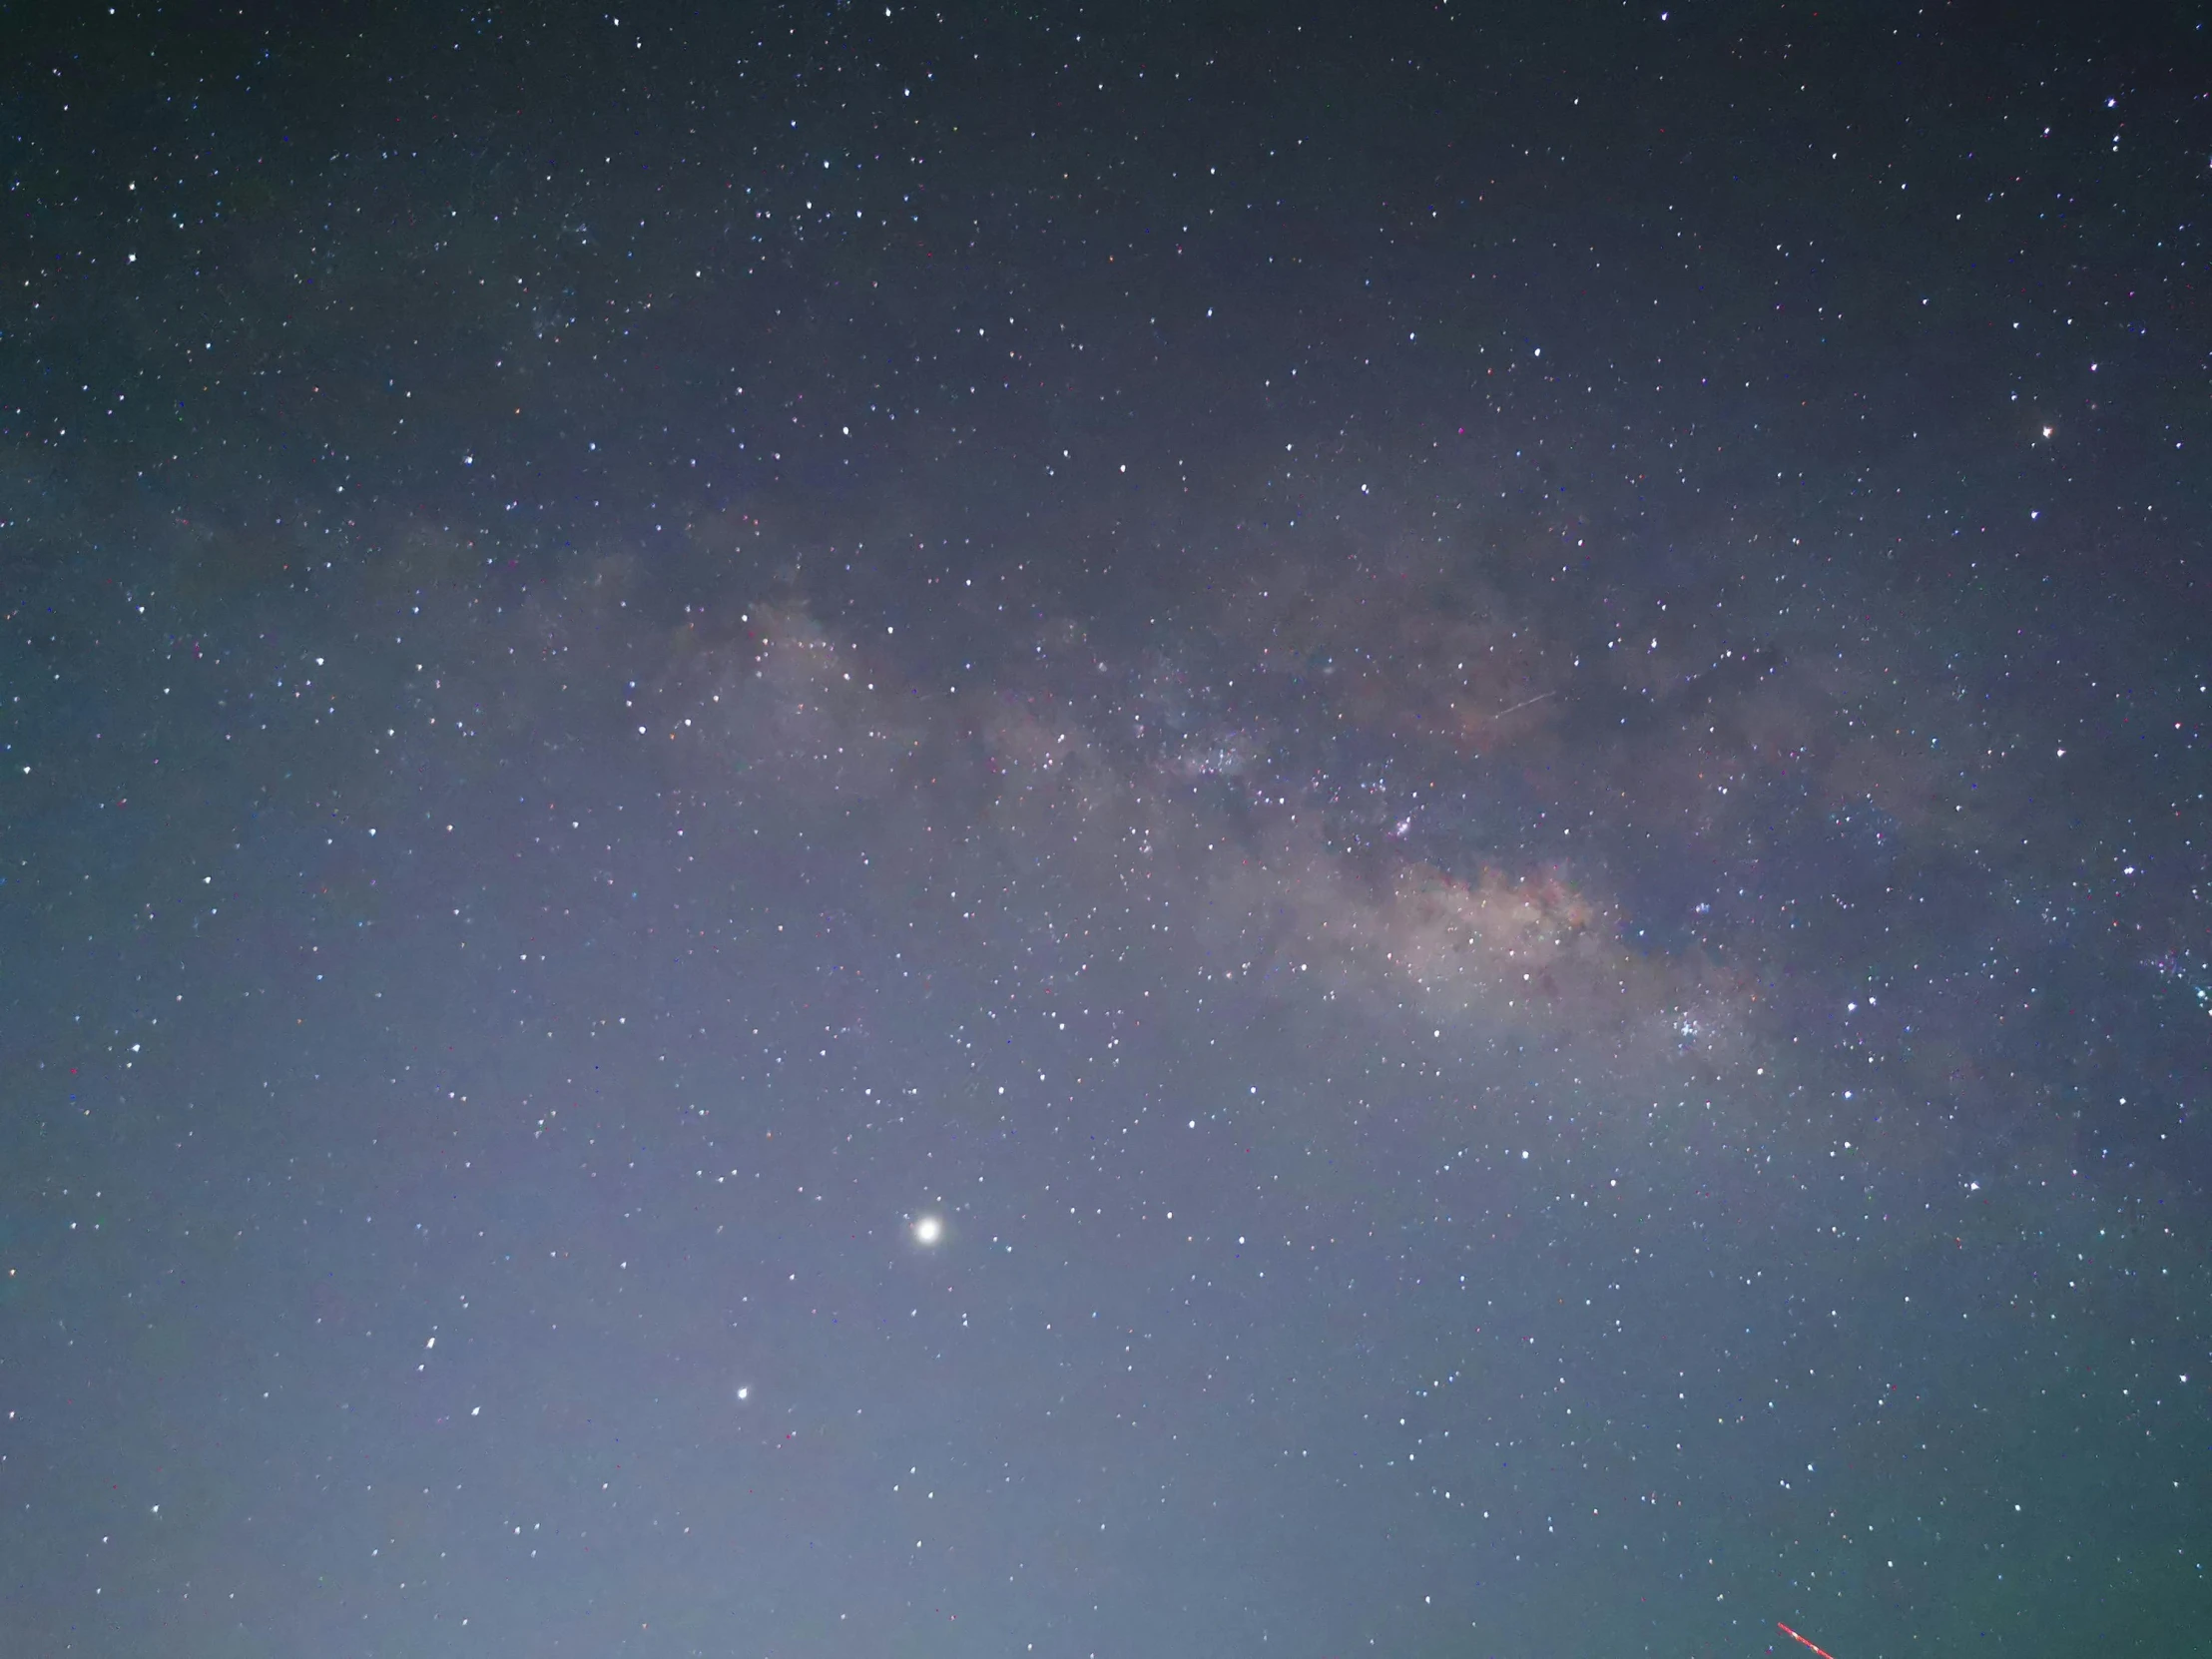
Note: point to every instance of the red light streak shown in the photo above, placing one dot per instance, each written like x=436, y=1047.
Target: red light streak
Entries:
x=1795, y=1637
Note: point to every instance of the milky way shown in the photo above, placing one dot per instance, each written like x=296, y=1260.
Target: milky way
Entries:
x=1237, y=830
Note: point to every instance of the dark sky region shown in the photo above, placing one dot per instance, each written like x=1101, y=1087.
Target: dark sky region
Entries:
x=1145, y=831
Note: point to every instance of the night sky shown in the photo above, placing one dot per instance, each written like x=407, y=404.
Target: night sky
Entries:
x=1136, y=831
